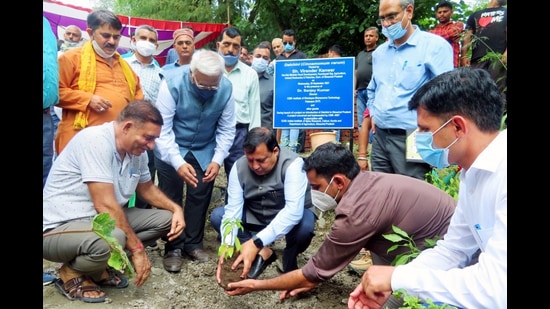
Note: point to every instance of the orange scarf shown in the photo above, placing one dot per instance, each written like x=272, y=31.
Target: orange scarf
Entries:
x=87, y=80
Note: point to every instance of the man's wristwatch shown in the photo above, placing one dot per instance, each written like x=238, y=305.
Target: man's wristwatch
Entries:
x=258, y=242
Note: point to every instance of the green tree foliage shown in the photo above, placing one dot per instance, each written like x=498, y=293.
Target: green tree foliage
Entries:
x=318, y=24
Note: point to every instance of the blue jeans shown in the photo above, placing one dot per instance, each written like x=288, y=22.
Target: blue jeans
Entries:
x=289, y=139
x=297, y=239
x=47, y=145
x=361, y=102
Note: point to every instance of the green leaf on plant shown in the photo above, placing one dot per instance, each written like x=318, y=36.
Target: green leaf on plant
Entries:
x=103, y=225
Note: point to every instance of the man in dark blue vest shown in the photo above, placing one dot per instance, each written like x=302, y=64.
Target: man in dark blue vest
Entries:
x=269, y=191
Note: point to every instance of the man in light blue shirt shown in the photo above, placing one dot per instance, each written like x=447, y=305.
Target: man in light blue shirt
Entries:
x=198, y=110
x=400, y=66
x=150, y=75
x=50, y=94
x=50, y=97
x=183, y=47
x=246, y=91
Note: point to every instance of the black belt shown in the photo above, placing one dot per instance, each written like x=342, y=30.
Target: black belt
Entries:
x=46, y=110
x=242, y=126
x=393, y=131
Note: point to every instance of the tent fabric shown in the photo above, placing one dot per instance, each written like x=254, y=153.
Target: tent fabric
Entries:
x=61, y=15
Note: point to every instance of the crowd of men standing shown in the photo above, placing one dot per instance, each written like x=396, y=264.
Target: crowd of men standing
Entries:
x=125, y=120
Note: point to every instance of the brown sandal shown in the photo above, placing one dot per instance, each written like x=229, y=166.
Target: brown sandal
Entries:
x=111, y=281
x=74, y=289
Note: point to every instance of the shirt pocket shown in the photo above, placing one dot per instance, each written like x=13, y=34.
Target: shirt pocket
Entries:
x=412, y=76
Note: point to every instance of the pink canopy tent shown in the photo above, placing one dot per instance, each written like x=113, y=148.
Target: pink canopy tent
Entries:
x=61, y=15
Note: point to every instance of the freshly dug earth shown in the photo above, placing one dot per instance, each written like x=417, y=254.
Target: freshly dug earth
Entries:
x=196, y=287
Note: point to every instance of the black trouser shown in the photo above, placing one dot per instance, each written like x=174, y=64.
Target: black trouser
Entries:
x=197, y=201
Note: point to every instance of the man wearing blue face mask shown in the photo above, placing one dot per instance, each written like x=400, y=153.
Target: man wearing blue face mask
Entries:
x=198, y=109
x=465, y=121
x=260, y=62
x=294, y=139
x=246, y=91
x=408, y=59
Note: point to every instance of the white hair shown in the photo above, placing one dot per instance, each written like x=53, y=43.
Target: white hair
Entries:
x=207, y=62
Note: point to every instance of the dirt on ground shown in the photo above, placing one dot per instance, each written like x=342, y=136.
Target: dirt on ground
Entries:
x=196, y=287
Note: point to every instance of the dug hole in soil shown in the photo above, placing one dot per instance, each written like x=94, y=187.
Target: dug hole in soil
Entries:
x=196, y=287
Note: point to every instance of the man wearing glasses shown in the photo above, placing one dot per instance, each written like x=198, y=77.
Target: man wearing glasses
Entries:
x=198, y=109
x=95, y=83
x=408, y=59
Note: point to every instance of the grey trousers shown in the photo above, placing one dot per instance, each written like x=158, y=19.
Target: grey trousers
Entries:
x=75, y=245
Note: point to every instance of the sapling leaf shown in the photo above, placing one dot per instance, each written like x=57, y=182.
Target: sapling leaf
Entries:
x=393, y=237
x=228, y=225
x=103, y=225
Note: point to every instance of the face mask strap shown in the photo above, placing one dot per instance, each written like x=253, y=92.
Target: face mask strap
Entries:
x=329, y=183
x=442, y=126
x=337, y=193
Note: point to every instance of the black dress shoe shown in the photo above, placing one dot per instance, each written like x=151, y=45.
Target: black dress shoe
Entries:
x=173, y=261
x=259, y=265
x=198, y=255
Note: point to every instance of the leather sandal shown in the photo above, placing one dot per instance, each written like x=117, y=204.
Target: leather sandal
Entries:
x=111, y=281
x=74, y=289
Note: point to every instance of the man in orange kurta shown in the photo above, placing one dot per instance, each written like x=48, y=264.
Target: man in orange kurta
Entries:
x=109, y=86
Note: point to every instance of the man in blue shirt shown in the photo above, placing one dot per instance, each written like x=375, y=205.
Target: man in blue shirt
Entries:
x=50, y=94
x=50, y=97
x=150, y=75
x=408, y=59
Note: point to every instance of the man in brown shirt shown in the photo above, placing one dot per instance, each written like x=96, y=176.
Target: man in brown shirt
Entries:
x=369, y=203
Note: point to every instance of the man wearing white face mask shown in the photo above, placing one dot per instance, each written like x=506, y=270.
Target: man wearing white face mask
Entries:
x=150, y=75
x=260, y=62
x=368, y=204
x=95, y=83
x=408, y=59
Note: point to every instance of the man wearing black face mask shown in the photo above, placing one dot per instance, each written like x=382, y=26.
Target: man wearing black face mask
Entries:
x=369, y=203
x=198, y=109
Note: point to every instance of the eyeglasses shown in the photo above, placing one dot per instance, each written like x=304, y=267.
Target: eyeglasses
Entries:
x=203, y=87
x=107, y=36
x=388, y=19
x=288, y=43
